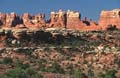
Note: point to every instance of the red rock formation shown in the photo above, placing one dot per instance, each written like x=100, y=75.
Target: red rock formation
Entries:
x=110, y=18
x=61, y=19
x=27, y=20
x=2, y=19
x=58, y=19
x=20, y=26
x=74, y=22
x=90, y=25
x=36, y=21
x=39, y=20
x=12, y=20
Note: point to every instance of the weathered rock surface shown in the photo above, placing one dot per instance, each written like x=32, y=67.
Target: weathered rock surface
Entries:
x=34, y=21
x=12, y=20
x=110, y=18
x=73, y=20
x=61, y=19
x=2, y=18
x=58, y=19
x=27, y=19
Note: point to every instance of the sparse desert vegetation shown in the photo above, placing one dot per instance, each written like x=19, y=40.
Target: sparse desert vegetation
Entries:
x=59, y=54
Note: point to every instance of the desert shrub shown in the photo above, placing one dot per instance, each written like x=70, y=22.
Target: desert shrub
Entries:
x=70, y=69
x=78, y=73
x=111, y=27
x=28, y=52
x=56, y=68
x=25, y=51
x=47, y=49
x=94, y=43
x=33, y=73
x=118, y=48
x=108, y=74
x=90, y=73
x=16, y=73
x=19, y=64
x=21, y=73
x=7, y=60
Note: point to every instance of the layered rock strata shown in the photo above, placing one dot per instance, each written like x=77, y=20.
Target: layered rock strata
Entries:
x=61, y=19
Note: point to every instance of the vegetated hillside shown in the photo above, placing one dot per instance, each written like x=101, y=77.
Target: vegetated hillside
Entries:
x=59, y=53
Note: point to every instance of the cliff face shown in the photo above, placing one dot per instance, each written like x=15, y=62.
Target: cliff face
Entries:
x=74, y=20
x=110, y=18
x=61, y=19
x=33, y=21
x=58, y=19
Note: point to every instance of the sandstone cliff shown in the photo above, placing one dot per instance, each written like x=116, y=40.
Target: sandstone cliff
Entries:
x=110, y=18
x=58, y=19
x=61, y=19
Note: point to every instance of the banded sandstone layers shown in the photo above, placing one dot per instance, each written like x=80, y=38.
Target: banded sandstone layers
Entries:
x=61, y=19
x=110, y=17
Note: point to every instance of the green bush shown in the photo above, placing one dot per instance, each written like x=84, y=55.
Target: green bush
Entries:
x=78, y=73
x=90, y=73
x=7, y=60
x=108, y=74
x=56, y=68
x=111, y=27
x=19, y=64
x=21, y=73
